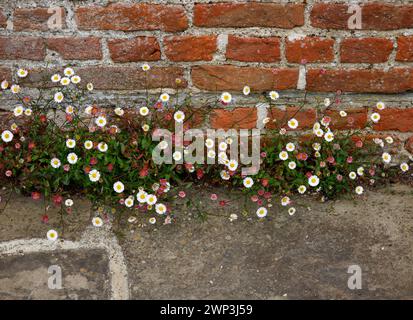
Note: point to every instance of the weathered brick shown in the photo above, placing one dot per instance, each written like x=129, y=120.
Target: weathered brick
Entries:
x=5, y=74
x=253, y=14
x=366, y=50
x=375, y=16
x=36, y=19
x=305, y=117
x=74, y=48
x=114, y=78
x=29, y=48
x=132, y=17
x=190, y=48
x=409, y=145
x=404, y=48
x=360, y=80
x=253, y=49
x=136, y=49
x=356, y=119
x=237, y=118
x=3, y=20
x=310, y=49
x=395, y=119
x=218, y=78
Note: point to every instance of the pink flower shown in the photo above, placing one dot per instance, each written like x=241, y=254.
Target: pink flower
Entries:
x=331, y=160
x=263, y=154
x=222, y=203
x=110, y=167
x=57, y=199
x=182, y=194
x=372, y=172
x=359, y=144
x=199, y=173
x=349, y=159
x=66, y=167
x=264, y=182
x=254, y=198
x=267, y=195
x=339, y=177
x=322, y=164
x=9, y=173
x=261, y=192
x=260, y=202
x=35, y=195
x=17, y=145
x=214, y=197
x=45, y=218
x=93, y=161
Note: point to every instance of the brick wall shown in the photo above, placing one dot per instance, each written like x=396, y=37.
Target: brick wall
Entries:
x=290, y=46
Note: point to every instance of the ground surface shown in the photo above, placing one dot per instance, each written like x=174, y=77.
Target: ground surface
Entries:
x=283, y=257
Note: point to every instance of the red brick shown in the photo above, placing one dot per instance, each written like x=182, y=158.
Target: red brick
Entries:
x=310, y=49
x=404, y=49
x=36, y=19
x=29, y=48
x=393, y=119
x=237, y=118
x=356, y=119
x=253, y=14
x=253, y=49
x=366, y=50
x=190, y=48
x=305, y=117
x=218, y=78
x=409, y=145
x=114, y=78
x=360, y=80
x=375, y=16
x=136, y=49
x=3, y=20
x=71, y=48
x=132, y=17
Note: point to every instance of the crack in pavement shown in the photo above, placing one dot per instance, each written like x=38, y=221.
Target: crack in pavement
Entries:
x=92, y=238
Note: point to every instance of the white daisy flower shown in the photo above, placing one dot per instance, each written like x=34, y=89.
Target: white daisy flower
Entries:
x=144, y=111
x=15, y=88
x=151, y=200
x=94, y=175
x=292, y=165
x=285, y=201
x=359, y=190
x=55, y=163
x=129, y=202
x=293, y=123
x=58, y=97
x=103, y=147
x=225, y=175
x=352, y=175
x=316, y=146
x=72, y=158
x=65, y=81
x=291, y=211
x=70, y=110
x=248, y=182
x=97, y=222
x=118, y=187
x=69, y=72
x=75, y=79
x=4, y=84
x=89, y=86
x=18, y=111
x=386, y=157
x=343, y=114
x=313, y=181
x=52, y=235
x=283, y=155
x=209, y=143
x=7, y=136
x=302, y=189
x=69, y=202
x=404, y=167
x=232, y=165
x=226, y=97
x=145, y=127
x=101, y=121
x=88, y=144
x=262, y=212
x=179, y=116
x=146, y=67
x=164, y=97
x=141, y=196
x=160, y=208
x=274, y=95
x=327, y=102
x=177, y=155
x=389, y=140
x=360, y=171
x=152, y=220
x=375, y=117
x=22, y=73
x=380, y=105
x=70, y=143
x=246, y=91
x=211, y=154
x=329, y=136
x=119, y=111
x=222, y=146
x=56, y=78
x=290, y=147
